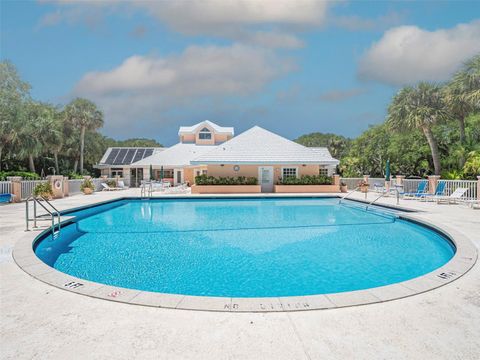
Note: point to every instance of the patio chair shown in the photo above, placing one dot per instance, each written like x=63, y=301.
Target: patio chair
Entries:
x=6, y=198
x=453, y=198
x=438, y=192
x=421, y=189
x=108, y=188
x=122, y=185
x=474, y=204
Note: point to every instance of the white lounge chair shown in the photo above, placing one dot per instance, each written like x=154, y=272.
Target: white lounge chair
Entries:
x=453, y=198
x=122, y=185
x=108, y=188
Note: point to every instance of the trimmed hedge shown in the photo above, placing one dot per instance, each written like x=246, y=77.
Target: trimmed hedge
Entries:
x=307, y=180
x=211, y=180
x=24, y=174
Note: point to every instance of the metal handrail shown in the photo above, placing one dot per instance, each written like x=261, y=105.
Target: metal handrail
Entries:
x=351, y=192
x=53, y=213
x=382, y=195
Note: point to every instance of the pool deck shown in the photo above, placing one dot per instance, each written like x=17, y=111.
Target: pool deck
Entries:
x=40, y=321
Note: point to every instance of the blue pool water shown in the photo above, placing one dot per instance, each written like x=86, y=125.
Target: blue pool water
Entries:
x=243, y=247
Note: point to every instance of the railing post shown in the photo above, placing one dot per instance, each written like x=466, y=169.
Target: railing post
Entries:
x=26, y=215
x=399, y=179
x=432, y=183
x=17, y=189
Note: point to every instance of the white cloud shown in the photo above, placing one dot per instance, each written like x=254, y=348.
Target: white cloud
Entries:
x=268, y=23
x=145, y=87
x=407, y=54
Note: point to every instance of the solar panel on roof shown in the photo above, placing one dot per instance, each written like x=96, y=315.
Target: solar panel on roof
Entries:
x=119, y=159
x=129, y=157
x=139, y=155
x=112, y=156
x=148, y=152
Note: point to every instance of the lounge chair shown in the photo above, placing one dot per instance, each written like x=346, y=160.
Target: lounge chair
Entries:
x=421, y=190
x=474, y=204
x=453, y=198
x=438, y=192
x=6, y=198
x=108, y=188
x=122, y=185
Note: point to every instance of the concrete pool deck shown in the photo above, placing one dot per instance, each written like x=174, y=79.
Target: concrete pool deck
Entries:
x=41, y=321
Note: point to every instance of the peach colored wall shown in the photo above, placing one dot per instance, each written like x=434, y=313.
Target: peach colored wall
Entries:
x=306, y=189
x=252, y=170
x=225, y=189
x=187, y=138
x=188, y=175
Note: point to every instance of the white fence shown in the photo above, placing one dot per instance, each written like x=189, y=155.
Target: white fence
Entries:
x=411, y=185
x=452, y=185
x=74, y=186
x=28, y=186
x=5, y=187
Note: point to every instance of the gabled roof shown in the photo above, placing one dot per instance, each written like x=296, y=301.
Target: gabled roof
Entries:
x=217, y=128
x=178, y=155
x=260, y=146
x=126, y=155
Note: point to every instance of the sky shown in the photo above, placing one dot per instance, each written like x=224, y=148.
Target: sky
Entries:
x=292, y=67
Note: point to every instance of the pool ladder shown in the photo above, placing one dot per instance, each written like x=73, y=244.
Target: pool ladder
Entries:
x=146, y=189
x=347, y=195
x=48, y=207
x=382, y=195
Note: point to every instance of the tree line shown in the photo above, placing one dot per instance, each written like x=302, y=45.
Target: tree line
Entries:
x=429, y=129
x=44, y=138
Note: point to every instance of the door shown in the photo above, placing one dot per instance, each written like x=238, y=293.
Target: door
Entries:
x=265, y=178
x=178, y=176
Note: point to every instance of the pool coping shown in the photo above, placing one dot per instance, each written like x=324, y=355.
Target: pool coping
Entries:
x=463, y=260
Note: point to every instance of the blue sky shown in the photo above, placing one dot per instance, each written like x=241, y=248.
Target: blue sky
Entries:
x=291, y=67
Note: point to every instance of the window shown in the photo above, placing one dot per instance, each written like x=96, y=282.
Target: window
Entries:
x=204, y=134
x=117, y=172
x=204, y=172
x=323, y=171
x=289, y=172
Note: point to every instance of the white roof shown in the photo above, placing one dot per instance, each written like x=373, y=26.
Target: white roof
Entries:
x=260, y=146
x=178, y=155
x=192, y=129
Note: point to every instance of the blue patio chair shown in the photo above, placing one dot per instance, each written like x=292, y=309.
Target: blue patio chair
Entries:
x=421, y=190
x=439, y=191
x=5, y=198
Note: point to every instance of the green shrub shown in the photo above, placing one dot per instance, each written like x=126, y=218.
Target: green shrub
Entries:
x=43, y=189
x=211, y=180
x=24, y=174
x=87, y=183
x=74, y=176
x=307, y=180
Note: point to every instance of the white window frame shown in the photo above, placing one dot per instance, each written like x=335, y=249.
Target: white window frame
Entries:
x=205, y=131
x=290, y=167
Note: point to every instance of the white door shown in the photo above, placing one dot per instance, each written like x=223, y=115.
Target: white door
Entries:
x=265, y=178
x=178, y=177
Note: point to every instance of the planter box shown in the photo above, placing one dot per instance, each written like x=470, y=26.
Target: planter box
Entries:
x=307, y=189
x=226, y=189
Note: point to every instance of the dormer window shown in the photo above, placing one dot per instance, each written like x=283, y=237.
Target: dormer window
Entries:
x=205, y=134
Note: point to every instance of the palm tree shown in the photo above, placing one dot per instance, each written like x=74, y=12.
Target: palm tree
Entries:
x=51, y=135
x=13, y=95
x=84, y=115
x=419, y=107
x=29, y=137
x=462, y=93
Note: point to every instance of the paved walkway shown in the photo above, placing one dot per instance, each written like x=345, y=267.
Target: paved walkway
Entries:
x=38, y=321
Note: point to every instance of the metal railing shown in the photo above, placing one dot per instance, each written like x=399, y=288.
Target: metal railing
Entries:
x=53, y=212
x=452, y=185
x=74, y=186
x=5, y=187
x=27, y=187
x=348, y=194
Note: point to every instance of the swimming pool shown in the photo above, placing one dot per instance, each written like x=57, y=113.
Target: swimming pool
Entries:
x=243, y=247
